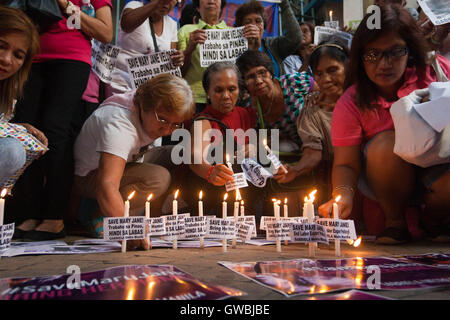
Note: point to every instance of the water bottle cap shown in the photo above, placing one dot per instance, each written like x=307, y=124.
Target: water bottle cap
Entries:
x=86, y=1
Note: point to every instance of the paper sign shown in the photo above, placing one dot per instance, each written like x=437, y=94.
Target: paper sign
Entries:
x=157, y=226
x=437, y=11
x=239, y=182
x=295, y=219
x=142, y=68
x=244, y=230
x=274, y=159
x=338, y=229
x=175, y=226
x=255, y=173
x=249, y=220
x=265, y=220
x=221, y=228
x=309, y=232
x=278, y=230
x=195, y=227
x=103, y=59
x=6, y=234
x=323, y=33
x=332, y=24
x=121, y=228
x=222, y=45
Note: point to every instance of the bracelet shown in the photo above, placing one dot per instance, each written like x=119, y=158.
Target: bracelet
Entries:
x=345, y=187
x=209, y=173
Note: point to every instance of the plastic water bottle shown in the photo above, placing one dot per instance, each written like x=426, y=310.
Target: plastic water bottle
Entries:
x=88, y=8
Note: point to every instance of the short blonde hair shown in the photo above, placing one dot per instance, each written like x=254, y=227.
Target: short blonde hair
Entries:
x=169, y=91
x=15, y=21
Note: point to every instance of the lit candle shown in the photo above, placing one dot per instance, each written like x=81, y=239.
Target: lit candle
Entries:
x=331, y=15
x=277, y=218
x=269, y=151
x=224, y=216
x=242, y=208
x=285, y=214
x=337, y=242
x=2, y=205
x=229, y=163
x=236, y=213
x=126, y=214
x=147, y=215
x=175, y=212
x=200, y=214
x=310, y=215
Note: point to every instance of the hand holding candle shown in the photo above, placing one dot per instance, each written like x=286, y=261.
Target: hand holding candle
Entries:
x=270, y=151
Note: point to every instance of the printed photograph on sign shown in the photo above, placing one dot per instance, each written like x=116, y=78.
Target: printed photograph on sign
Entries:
x=323, y=33
x=437, y=10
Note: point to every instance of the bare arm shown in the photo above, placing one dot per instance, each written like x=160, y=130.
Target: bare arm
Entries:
x=133, y=18
x=110, y=172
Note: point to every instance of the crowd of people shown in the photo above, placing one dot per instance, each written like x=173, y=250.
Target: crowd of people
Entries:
x=330, y=104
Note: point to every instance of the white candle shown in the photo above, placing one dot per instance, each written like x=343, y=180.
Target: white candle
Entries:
x=236, y=214
x=277, y=218
x=224, y=216
x=2, y=205
x=269, y=151
x=200, y=214
x=285, y=214
x=126, y=214
x=242, y=209
x=175, y=212
x=229, y=163
x=337, y=242
x=147, y=216
x=310, y=215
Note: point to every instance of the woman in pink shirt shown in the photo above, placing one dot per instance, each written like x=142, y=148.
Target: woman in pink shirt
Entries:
x=58, y=77
x=385, y=64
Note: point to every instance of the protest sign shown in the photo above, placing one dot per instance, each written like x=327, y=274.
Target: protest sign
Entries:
x=265, y=220
x=324, y=33
x=175, y=226
x=255, y=173
x=157, y=226
x=308, y=232
x=221, y=228
x=123, y=228
x=437, y=10
x=338, y=229
x=103, y=59
x=278, y=230
x=307, y=276
x=142, y=68
x=222, y=45
x=274, y=160
x=195, y=227
x=6, y=234
x=332, y=24
x=239, y=182
x=125, y=282
x=251, y=220
x=244, y=230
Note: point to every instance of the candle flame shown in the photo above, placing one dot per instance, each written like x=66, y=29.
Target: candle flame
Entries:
x=357, y=242
x=350, y=241
x=338, y=198
x=200, y=195
x=3, y=194
x=131, y=195
x=265, y=142
x=225, y=197
x=238, y=195
x=306, y=199
x=285, y=200
x=176, y=194
x=130, y=294
x=274, y=200
x=150, y=197
x=278, y=202
x=242, y=202
x=331, y=13
x=228, y=158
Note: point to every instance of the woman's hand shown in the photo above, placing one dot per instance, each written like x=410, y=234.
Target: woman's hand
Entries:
x=196, y=37
x=35, y=132
x=253, y=35
x=282, y=177
x=220, y=175
x=177, y=58
x=345, y=206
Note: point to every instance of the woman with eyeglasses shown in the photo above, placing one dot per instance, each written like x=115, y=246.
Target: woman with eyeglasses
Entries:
x=110, y=149
x=385, y=65
x=221, y=82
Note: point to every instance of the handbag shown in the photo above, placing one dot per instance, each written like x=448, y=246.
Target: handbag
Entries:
x=42, y=13
x=419, y=139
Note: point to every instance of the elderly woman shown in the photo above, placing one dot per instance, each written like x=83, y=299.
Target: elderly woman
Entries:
x=117, y=135
x=144, y=29
x=385, y=64
x=252, y=15
x=221, y=83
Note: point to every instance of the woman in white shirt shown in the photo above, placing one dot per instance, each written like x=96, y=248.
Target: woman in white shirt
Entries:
x=141, y=27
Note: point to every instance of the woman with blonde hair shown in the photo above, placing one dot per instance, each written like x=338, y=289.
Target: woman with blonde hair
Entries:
x=19, y=42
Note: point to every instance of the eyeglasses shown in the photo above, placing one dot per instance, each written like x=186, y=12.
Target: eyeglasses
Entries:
x=166, y=123
x=375, y=55
x=263, y=73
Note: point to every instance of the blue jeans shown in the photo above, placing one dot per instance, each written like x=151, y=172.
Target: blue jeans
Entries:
x=12, y=158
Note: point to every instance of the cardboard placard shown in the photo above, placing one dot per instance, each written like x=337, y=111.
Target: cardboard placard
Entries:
x=104, y=57
x=251, y=220
x=338, y=229
x=145, y=67
x=157, y=226
x=244, y=230
x=6, y=234
x=278, y=230
x=264, y=221
x=195, y=227
x=222, y=45
x=323, y=33
x=221, y=228
x=121, y=228
x=308, y=232
x=239, y=182
x=175, y=226
x=332, y=24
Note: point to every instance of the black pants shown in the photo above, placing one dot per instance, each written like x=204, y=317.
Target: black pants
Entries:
x=51, y=98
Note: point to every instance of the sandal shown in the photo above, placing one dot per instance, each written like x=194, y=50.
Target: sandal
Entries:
x=93, y=231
